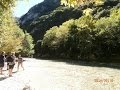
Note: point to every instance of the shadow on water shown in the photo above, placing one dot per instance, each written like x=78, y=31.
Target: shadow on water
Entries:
x=102, y=63
x=2, y=78
x=27, y=88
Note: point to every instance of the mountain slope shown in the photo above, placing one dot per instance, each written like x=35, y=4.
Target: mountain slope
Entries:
x=49, y=13
x=39, y=22
x=38, y=10
x=45, y=15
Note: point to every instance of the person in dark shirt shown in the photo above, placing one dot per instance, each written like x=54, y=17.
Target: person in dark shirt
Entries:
x=2, y=60
x=10, y=62
x=20, y=62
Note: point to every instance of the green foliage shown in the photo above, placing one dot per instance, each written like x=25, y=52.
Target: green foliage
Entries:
x=27, y=45
x=79, y=42
x=56, y=15
x=6, y=4
x=94, y=35
x=40, y=25
x=80, y=2
x=12, y=38
x=56, y=36
x=86, y=21
x=85, y=38
x=108, y=34
x=11, y=35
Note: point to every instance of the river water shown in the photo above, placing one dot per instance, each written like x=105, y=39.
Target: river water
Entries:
x=51, y=75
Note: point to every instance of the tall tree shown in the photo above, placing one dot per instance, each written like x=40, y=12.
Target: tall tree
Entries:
x=11, y=36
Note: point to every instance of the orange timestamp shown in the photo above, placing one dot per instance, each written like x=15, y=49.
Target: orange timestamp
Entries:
x=104, y=80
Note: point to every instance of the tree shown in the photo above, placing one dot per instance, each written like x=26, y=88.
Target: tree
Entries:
x=80, y=2
x=6, y=4
x=85, y=38
x=27, y=45
x=12, y=38
x=11, y=35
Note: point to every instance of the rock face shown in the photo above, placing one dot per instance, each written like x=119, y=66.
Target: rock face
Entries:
x=45, y=15
x=38, y=10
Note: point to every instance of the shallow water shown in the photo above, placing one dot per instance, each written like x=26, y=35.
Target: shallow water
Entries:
x=49, y=75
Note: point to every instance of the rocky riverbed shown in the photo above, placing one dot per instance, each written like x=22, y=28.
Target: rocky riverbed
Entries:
x=52, y=75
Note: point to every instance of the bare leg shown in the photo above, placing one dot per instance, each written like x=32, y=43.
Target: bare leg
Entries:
x=7, y=67
x=10, y=72
x=18, y=66
x=1, y=70
x=22, y=66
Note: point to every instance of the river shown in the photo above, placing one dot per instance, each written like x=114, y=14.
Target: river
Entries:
x=53, y=75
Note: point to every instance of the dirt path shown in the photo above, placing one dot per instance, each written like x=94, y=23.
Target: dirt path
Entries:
x=48, y=75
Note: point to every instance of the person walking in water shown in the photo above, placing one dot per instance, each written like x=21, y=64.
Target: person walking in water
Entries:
x=20, y=62
x=2, y=61
x=10, y=62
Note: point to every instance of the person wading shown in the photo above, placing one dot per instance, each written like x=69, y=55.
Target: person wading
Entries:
x=2, y=61
x=10, y=62
x=20, y=62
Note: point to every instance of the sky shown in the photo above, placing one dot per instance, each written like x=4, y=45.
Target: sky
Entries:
x=22, y=7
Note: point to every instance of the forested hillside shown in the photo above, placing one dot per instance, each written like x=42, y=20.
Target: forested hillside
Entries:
x=45, y=15
x=38, y=10
x=89, y=31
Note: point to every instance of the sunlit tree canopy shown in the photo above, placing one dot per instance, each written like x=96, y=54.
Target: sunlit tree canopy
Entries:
x=11, y=36
x=80, y=2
